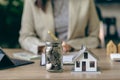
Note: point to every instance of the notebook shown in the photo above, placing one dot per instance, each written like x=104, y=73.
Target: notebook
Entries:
x=26, y=56
x=7, y=62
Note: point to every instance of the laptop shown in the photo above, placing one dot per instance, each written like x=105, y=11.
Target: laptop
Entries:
x=7, y=62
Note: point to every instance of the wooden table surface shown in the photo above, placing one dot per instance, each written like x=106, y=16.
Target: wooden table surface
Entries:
x=109, y=70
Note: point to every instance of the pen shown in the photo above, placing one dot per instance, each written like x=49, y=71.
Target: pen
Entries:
x=52, y=35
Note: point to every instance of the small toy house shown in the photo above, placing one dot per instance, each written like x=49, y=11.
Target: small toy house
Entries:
x=111, y=47
x=85, y=61
x=119, y=48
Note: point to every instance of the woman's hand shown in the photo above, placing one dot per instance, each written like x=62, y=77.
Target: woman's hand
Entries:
x=66, y=47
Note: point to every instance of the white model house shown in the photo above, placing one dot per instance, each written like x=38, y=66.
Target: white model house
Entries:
x=85, y=60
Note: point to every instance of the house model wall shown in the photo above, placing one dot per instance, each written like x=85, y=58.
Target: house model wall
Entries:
x=111, y=47
x=85, y=61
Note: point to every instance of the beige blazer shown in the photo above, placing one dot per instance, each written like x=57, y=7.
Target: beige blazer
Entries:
x=36, y=23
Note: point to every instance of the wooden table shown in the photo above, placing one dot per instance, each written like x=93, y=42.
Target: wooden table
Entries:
x=109, y=70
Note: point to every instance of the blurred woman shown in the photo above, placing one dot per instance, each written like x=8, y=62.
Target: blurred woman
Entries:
x=75, y=22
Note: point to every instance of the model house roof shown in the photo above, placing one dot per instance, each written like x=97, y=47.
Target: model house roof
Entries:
x=81, y=52
x=111, y=43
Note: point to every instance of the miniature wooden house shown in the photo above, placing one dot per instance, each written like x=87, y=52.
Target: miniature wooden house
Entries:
x=119, y=48
x=111, y=47
x=85, y=61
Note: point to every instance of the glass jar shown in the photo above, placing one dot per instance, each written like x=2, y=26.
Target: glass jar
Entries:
x=53, y=53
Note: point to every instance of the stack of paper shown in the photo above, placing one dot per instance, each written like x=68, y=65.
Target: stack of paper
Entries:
x=115, y=56
x=67, y=58
x=26, y=56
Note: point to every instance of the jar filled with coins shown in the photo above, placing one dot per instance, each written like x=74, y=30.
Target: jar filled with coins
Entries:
x=53, y=53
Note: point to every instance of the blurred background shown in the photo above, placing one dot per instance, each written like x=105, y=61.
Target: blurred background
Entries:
x=11, y=12
x=109, y=14
x=10, y=20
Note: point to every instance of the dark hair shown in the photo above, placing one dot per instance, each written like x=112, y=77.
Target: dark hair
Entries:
x=41, y=4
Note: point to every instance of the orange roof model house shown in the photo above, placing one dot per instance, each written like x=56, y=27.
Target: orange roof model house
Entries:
x=119, y=48
x=111, y=47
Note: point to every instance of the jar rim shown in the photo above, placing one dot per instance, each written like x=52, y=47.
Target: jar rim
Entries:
x=53, y=43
